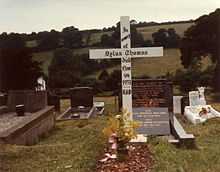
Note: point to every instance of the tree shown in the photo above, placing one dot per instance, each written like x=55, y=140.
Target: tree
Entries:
x=20, y=71
x=173, y=38
x=64, y=70
x=160, y=38
x=48, y=40
x=137, y=39
x=72, y=37
x=114, y=81
x=203, y=39
x=166, y=38
x=107, y=41
x=103, y=75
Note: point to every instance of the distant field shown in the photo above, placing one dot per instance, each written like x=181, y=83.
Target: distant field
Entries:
x=153, y=67
x=179, y=27
x=96, y=37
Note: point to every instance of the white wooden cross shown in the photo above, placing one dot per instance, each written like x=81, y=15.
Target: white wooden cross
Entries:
x=125, y=53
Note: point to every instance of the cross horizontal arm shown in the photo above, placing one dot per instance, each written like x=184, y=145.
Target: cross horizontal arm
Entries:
x=131, y=52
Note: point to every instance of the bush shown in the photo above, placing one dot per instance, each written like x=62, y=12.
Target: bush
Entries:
x=190, y=79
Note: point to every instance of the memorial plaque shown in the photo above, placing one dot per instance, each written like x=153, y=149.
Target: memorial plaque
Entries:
x=152, y=103
x=152, y=93
x=153, y=121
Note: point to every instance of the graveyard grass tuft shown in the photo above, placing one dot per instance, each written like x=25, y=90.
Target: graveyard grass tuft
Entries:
x=72, y=146
x=203, y=158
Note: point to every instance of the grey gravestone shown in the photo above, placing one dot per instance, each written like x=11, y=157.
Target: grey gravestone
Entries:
x=154, y=121
x=152, y=104
x=81, y=96
x=31, y=99
x=53, y=100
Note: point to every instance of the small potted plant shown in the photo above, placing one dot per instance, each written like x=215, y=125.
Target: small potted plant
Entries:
x=121, y=129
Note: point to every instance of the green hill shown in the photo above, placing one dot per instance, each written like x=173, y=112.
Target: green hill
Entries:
x=150, y=66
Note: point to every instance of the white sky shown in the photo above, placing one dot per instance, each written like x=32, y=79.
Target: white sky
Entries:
x=40, y=15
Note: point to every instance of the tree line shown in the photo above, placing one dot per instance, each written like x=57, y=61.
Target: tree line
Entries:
x=66, y=69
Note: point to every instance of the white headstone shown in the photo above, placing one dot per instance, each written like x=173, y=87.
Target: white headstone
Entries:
x=194, y=98
x=177, y=104
x=41, y=84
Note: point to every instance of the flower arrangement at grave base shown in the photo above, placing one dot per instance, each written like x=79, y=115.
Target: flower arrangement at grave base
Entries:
x=120, y=130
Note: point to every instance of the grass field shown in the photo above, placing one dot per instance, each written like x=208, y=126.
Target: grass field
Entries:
x=156, y=66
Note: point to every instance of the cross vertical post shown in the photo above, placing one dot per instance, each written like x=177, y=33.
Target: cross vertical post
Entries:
x=126, y=65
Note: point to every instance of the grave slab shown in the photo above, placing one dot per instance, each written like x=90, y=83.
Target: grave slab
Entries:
x=26, y=130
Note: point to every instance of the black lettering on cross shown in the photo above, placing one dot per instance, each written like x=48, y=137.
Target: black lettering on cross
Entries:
x=126, y=75
x=125, y=29
x=125, y=46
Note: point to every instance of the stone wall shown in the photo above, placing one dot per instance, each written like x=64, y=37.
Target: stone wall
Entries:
x=32, y=100
x=31, y=129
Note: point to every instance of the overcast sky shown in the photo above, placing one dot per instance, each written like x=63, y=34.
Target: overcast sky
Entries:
x=40, y=15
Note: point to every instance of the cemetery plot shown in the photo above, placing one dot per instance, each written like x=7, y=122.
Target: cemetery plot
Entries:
x=81, y=104
x=151, y=99
x=198, y=111
x=27, y=118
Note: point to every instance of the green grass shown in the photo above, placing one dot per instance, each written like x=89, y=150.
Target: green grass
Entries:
x=72, y=146
x=75, y=146
x=205, y=157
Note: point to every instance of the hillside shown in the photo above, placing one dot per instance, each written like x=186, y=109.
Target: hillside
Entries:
x=151, y=67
